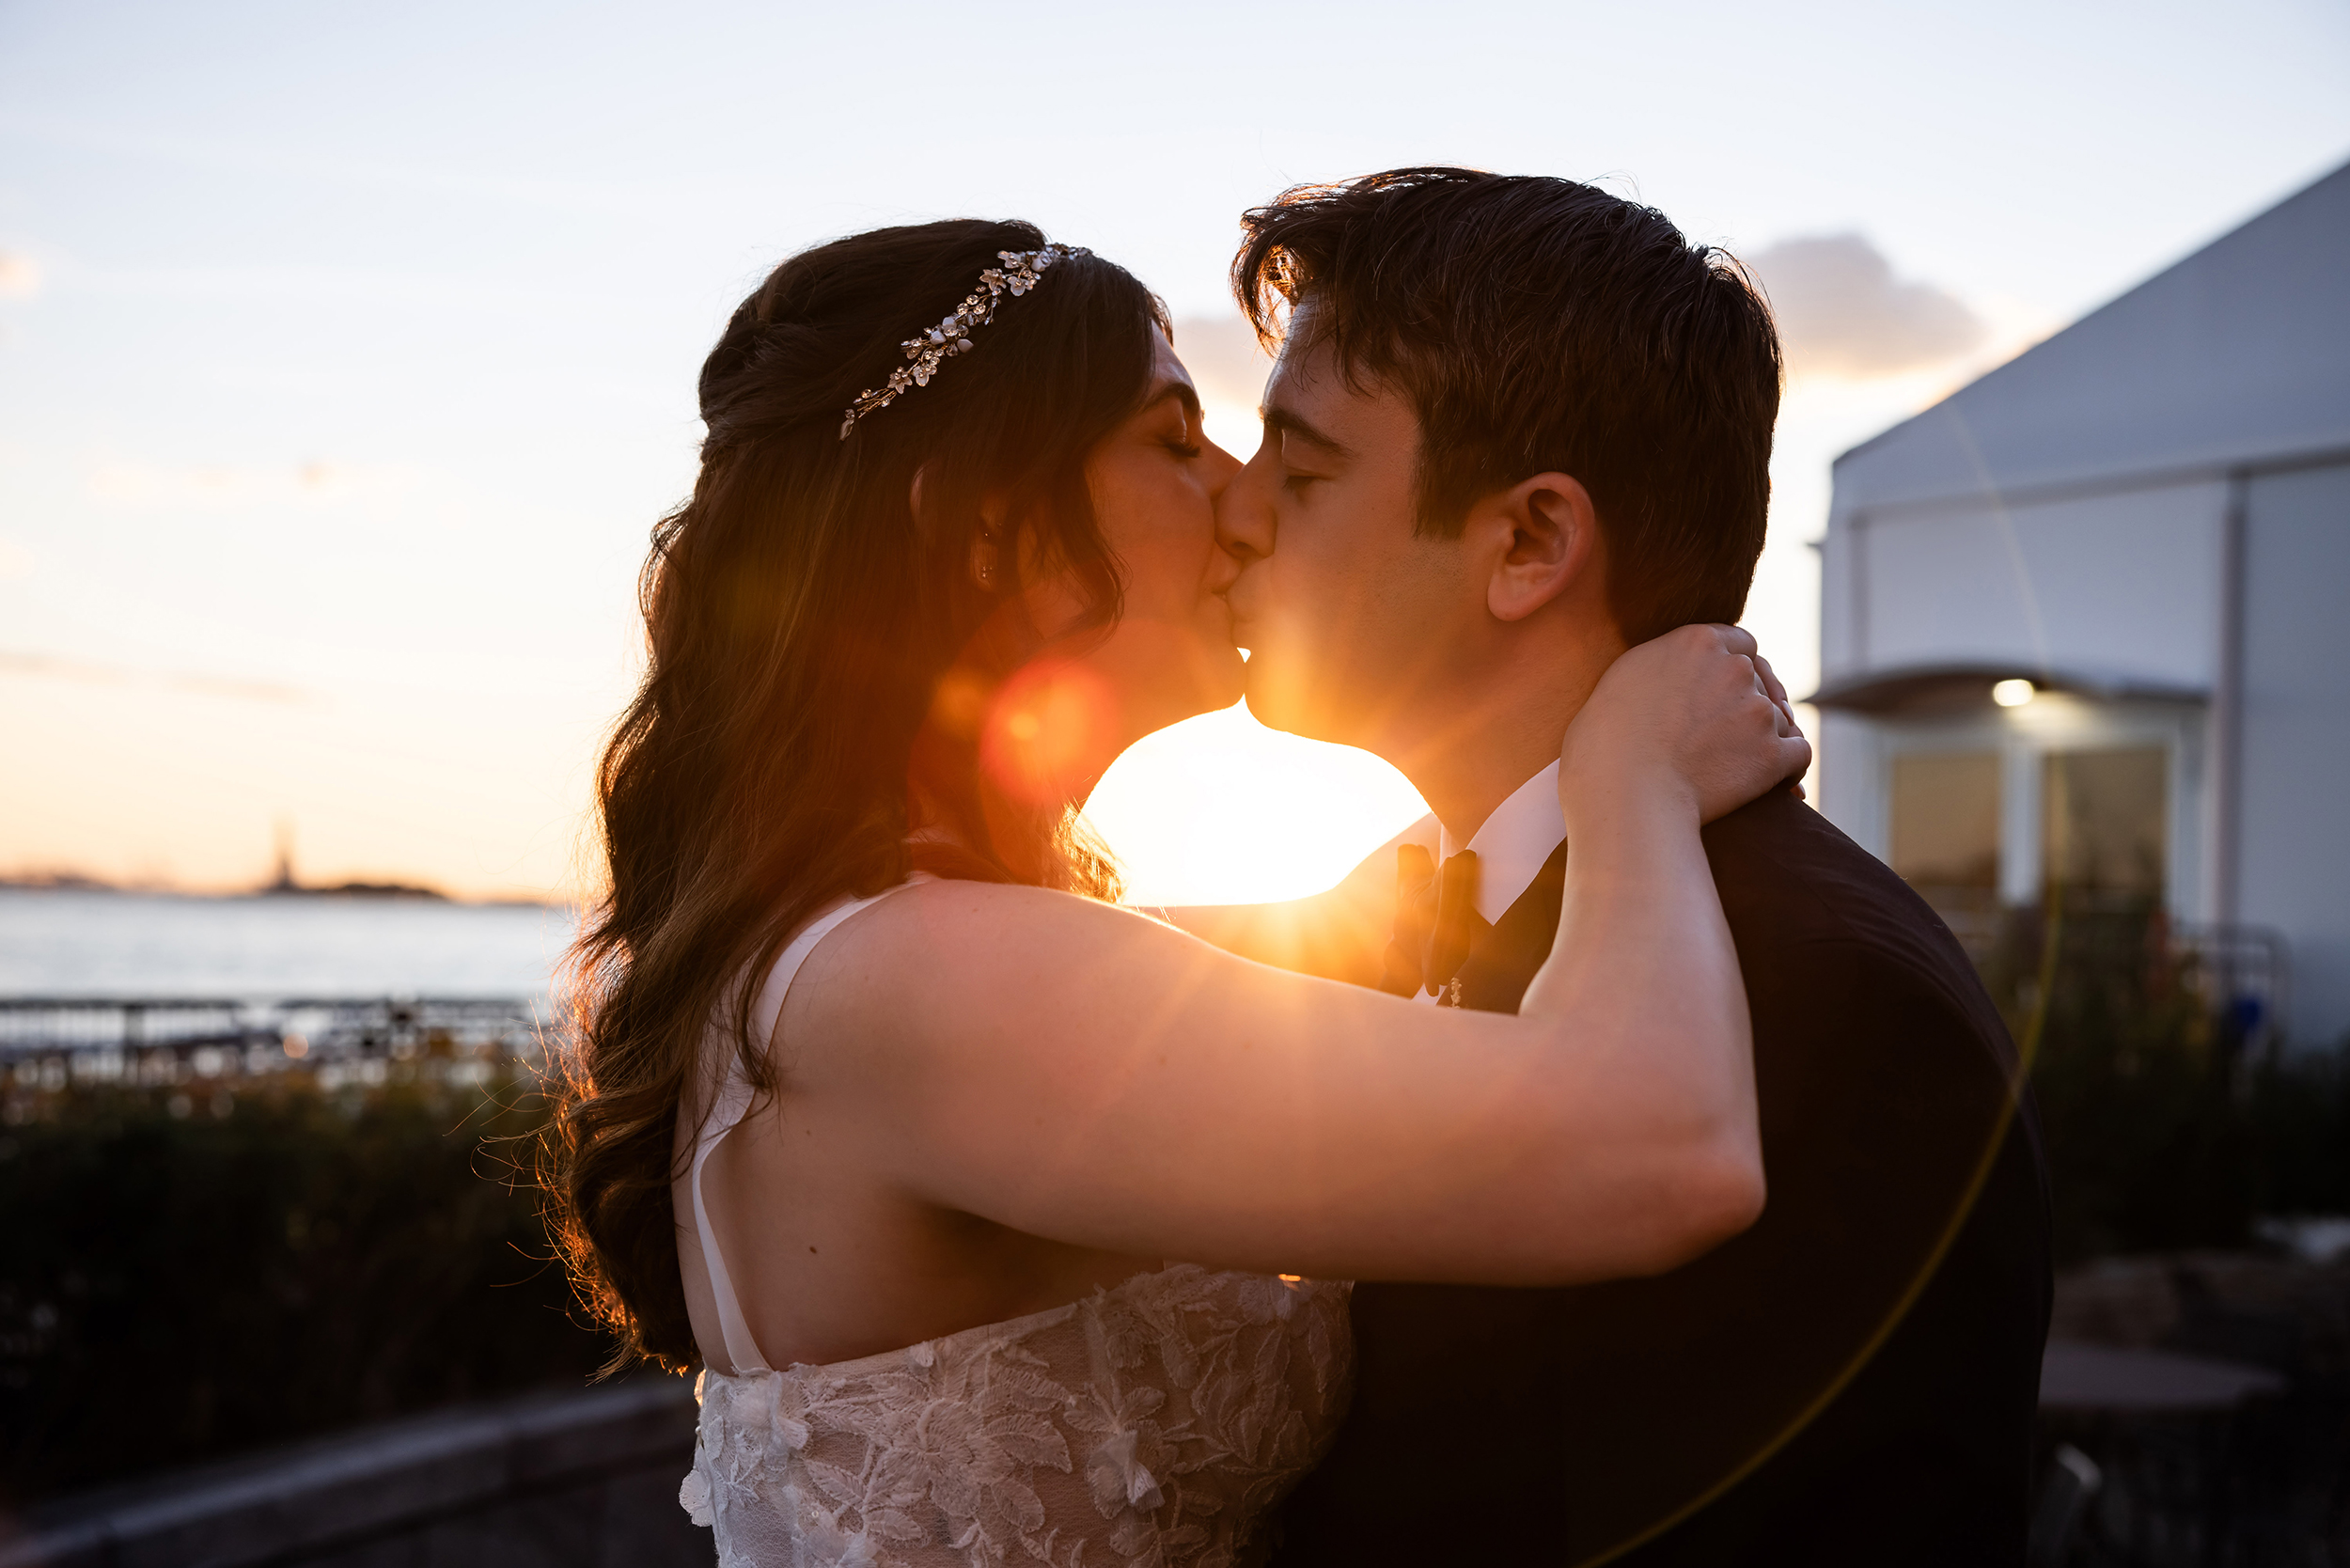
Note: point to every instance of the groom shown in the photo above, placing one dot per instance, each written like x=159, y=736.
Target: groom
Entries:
x=1516, y=425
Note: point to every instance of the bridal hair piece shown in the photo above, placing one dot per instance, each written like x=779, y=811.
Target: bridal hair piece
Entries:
x=933, y=346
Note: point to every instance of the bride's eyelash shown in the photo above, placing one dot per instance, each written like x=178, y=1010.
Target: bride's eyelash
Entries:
x=1183, y=448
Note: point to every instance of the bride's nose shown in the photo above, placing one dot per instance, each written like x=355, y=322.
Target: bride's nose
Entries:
x=1222, y=467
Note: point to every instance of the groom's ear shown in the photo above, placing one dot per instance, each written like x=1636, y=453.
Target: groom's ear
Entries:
x=1542, y=536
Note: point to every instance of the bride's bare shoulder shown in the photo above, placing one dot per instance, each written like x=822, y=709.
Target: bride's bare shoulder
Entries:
x=955, y=914
x=946, y=948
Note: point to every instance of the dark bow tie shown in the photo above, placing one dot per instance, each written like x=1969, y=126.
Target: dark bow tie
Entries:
x=1436, y=923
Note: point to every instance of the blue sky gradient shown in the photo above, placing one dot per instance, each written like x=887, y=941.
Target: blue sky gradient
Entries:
x=347, y=353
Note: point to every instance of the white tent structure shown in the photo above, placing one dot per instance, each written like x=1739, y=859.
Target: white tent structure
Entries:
x=2089, y=618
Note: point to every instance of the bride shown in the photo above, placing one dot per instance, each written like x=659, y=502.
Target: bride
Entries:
x=1005, y=1224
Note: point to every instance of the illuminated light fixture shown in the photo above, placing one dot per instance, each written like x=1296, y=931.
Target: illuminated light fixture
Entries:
x=2013, y=694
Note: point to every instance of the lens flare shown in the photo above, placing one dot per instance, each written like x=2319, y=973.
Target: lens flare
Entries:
x=1051, y=727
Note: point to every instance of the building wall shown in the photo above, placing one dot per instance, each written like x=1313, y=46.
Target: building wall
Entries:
x=1850, y=777
x=2072, y=509
x=2120, y=584
x=2295, y=817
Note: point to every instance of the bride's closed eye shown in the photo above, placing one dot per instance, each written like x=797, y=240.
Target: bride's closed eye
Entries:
x=1181, y=434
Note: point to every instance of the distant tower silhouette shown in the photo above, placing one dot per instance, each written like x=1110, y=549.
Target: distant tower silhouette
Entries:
x=285, y=882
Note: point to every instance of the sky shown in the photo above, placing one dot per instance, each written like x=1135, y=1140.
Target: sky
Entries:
x=347, y=353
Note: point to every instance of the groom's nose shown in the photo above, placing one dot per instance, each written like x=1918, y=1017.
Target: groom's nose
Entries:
x=1221, y=466
x=1245, y=521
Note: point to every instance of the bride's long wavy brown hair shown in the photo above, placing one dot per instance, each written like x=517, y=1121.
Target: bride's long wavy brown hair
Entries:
x=818, y=655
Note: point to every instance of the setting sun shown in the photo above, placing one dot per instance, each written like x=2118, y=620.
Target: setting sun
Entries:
x=1219, y=809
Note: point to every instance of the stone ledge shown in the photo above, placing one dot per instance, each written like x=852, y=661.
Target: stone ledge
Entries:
x=401, y=1476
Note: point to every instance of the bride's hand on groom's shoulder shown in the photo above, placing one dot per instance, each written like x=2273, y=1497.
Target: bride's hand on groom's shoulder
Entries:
x=1696, y=718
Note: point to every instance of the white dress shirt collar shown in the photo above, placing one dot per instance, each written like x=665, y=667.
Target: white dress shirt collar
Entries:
x=1514, y=842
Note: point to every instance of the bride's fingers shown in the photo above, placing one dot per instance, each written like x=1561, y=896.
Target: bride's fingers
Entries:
x=1735, y=640
x=1775, y=689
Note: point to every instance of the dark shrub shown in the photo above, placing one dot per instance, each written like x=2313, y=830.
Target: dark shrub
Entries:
x=2164, y=1132
x=269, y=1262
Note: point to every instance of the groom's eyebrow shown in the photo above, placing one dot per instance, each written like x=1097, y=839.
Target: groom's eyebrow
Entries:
x=1285, y=422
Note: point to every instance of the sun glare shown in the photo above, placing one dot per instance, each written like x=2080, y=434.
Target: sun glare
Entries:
x=1219, y=809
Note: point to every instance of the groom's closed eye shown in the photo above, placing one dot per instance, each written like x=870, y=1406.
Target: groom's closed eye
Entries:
x=1299, y=470
x=1307, y=454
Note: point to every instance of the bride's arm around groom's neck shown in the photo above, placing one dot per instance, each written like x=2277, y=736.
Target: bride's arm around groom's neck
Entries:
x=1338, y=934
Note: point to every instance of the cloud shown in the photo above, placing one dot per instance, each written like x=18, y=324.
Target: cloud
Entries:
x=1842, y=313
x=1222, y=355
x=20, y=275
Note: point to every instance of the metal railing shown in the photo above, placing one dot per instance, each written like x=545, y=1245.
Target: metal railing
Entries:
x=2246, y=974
x=47, y=1041
x=2243, y=973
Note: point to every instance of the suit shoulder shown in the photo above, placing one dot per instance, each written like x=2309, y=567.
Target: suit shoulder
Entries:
x=1777, y=859
x=1791, y=881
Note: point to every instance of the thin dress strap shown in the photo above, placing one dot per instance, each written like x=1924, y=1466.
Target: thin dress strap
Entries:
x=734, y=1099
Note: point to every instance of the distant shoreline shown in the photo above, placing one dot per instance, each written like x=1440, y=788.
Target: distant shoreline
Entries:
x=371, y=892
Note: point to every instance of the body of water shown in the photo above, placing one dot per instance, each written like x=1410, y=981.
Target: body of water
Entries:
x=71, y=943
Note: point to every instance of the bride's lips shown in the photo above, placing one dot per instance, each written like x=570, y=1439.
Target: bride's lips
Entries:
x=1230, y=620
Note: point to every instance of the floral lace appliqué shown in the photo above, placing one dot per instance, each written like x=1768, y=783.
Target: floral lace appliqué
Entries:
x=1153, y=1426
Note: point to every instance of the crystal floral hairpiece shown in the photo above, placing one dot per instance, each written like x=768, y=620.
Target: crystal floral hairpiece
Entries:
x=933, y=346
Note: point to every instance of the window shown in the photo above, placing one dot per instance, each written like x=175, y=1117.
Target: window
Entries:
x=2105, y=818
x=1946, y=837
x=1945, y=819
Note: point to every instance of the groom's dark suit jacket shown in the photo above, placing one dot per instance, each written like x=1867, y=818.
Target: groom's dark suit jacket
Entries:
x=1850, y=1382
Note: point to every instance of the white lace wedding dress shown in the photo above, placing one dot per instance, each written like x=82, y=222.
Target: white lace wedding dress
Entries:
x=1154, y=1424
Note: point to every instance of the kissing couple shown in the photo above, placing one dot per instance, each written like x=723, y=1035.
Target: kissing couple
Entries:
x=1657, y=1186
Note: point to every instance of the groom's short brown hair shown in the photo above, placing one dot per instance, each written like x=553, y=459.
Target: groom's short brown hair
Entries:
x=1537, y=324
